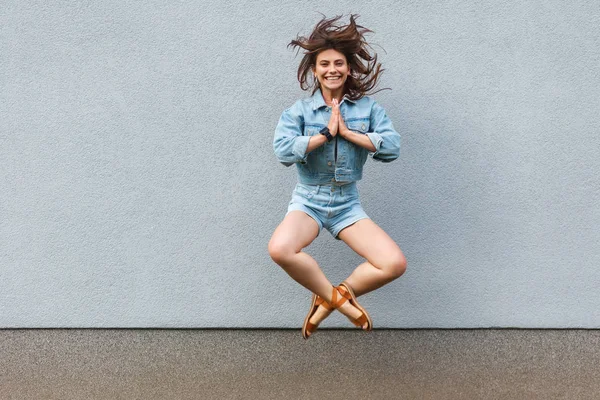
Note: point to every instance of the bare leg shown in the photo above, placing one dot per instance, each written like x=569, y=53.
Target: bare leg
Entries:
x=296, y=231
x=385, y=261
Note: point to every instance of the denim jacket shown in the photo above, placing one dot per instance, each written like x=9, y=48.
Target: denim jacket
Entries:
x=339, y=160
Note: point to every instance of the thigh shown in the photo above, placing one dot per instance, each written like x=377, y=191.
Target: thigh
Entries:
x=297, y=230
x=371, y=242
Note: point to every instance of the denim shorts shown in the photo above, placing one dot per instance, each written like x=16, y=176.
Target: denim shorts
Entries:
x=334, y=207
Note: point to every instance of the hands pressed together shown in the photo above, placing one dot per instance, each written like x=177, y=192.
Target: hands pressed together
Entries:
x=336, y=122
x=337, y=125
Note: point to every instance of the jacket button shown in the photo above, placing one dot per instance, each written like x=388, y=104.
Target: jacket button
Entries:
x=329, y=163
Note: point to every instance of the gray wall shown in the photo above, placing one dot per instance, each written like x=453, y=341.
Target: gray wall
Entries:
x=139, y=186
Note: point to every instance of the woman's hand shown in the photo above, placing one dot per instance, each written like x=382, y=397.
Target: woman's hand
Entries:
x=335, y=118
x=342, y=128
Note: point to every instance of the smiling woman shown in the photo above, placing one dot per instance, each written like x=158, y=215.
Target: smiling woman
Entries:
x=328, y=136
x=331, y=70
x=350, y=42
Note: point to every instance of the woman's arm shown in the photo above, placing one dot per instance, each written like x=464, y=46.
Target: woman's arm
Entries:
x=383, y=136
x=289, y=144
x=383, y=141
x=356, y=138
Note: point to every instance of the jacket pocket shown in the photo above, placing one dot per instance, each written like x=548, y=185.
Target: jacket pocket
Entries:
x=358, y=125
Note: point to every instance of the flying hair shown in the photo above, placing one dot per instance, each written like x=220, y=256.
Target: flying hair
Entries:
x=350, y=41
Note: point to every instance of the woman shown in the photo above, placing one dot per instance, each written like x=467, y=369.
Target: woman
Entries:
x=328, y=136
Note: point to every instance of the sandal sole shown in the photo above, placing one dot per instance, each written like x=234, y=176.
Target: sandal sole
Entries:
x=311, y=312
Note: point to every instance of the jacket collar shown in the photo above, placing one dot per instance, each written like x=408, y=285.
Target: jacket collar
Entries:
x=319, y=102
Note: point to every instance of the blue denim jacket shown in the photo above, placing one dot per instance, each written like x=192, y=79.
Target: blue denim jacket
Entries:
x=339, y=160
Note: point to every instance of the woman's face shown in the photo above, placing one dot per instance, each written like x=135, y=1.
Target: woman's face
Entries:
x=331, y=70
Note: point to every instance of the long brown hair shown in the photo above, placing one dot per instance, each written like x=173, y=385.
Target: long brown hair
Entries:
x=350, y=41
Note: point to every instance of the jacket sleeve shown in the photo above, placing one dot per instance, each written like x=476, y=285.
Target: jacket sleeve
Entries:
x=383, y=136
x=289, y=144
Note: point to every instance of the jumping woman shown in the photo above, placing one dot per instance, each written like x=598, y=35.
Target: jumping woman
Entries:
x=329, y=136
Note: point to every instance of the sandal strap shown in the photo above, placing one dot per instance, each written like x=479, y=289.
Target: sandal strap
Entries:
x=344, y=292
x=321, y=301
x=338, y=302
x=360, y=321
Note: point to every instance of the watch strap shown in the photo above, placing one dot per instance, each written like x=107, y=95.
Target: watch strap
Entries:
x=325, y=132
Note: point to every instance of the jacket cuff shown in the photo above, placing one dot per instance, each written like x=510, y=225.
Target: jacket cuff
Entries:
x=300, y=146
x=376, y=139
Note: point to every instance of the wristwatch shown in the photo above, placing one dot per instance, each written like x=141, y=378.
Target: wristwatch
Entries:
x=325, y=132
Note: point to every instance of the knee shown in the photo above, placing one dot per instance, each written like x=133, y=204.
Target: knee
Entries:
x=279, y=251
x=396, y=266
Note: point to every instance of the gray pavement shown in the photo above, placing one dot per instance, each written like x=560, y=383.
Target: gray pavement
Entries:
x=279, y=364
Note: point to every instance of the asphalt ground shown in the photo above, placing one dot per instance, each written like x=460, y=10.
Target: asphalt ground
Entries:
x=279, y=364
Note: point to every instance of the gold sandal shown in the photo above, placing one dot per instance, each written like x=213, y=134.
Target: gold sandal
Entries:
x=308, y=328
x=347, y=292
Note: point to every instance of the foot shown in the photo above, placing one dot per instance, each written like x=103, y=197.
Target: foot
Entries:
x=319, y=316
x=352, y=313
x=341, y=300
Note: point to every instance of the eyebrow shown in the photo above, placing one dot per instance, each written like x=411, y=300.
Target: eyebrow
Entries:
x=339, y=59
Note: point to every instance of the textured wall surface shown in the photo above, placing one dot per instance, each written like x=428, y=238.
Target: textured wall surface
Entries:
x=139, y=186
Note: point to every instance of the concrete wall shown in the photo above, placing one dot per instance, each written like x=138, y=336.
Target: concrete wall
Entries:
x=139, y=187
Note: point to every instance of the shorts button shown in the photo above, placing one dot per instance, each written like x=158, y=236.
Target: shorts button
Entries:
x=329, y=163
